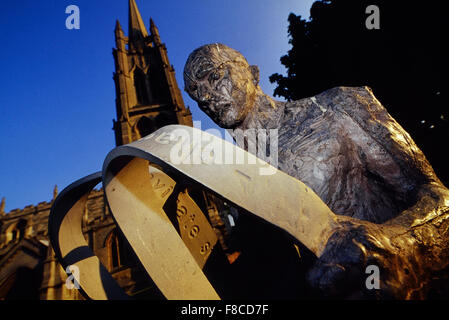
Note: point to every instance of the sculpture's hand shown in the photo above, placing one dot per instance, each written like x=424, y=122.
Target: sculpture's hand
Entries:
x=410, y=251
x=342, y=272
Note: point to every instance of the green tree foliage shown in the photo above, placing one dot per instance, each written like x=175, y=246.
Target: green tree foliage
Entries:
x=405, y=62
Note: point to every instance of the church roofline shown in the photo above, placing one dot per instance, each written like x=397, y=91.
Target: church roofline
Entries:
x=41, y=206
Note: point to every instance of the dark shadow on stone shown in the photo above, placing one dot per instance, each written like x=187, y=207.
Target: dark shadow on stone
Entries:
x=26, y=284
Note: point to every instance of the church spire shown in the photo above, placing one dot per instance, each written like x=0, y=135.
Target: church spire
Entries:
x=118, y=26
x=2, y=206
x=154, y=32
x=147, y=94
x=55, y=192
x=136, y=27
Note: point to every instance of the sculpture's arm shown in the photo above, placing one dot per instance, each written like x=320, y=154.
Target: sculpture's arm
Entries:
x=410, y=250
x=413, y=262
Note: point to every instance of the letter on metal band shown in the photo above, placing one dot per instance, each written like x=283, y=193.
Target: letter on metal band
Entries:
x=138, y=178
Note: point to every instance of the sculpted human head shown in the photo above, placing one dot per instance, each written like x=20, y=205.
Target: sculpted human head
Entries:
x=222, y=82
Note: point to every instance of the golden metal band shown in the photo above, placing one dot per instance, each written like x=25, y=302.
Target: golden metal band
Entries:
x=138, y=178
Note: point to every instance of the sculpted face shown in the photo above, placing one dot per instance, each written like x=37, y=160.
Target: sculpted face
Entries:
x=222, y=82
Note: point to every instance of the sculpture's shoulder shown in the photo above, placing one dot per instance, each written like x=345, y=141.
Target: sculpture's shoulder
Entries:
x=354, y=101
x=366, y=111
x=303, y=112
x=326, y=116
x=359, y=104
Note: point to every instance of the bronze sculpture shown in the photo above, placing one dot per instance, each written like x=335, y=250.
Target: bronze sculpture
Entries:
x=358, y=159
x=370, y=197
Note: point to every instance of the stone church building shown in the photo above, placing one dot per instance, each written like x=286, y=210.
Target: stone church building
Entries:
x=147, y=98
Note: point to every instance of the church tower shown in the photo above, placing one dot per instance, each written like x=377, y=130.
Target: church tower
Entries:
x=148, y=98
x=147, y=93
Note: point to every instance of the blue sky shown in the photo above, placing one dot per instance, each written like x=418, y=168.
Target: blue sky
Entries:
x=57, y=97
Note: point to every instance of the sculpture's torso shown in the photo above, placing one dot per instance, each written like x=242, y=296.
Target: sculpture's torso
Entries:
x=350, y=151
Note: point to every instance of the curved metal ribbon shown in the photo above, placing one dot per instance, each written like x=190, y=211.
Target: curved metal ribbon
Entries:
x=69, y=245
x=138, y=178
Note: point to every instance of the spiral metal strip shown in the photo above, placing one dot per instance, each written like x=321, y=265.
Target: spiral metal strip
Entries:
x=141, y=178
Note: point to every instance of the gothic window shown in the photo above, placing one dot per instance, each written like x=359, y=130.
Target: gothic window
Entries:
x=118, y=253
x=16, y=231
x=164, y=119
x=145, y=127
x=14, y=235
x=140, y=84
x=156, y=81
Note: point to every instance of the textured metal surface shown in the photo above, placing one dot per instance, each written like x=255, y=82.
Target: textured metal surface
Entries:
x=138, y=180
x=137, y=207
x=342, y=143
x=278, y=198
x=345, y=146
x=195, y=230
